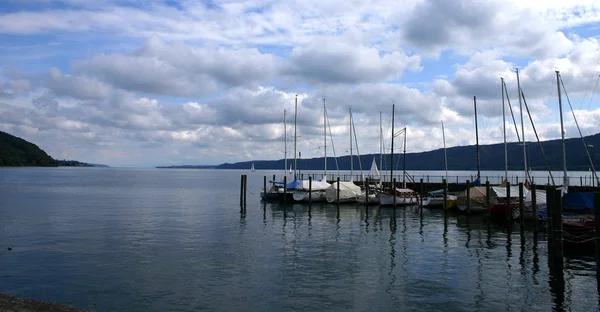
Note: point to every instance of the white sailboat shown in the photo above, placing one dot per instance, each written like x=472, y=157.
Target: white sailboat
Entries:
x=394, y=196
x=315, y=191
x=348, y=191
x=252, y=168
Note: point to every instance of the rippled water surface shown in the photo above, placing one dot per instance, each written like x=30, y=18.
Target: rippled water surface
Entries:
x=175, y=240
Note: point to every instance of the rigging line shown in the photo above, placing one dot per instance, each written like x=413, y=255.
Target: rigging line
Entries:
x=337, y=167
x=512, y=114
x=537, y=137
x=357, y=151
x=587, y=150
x=591, y=97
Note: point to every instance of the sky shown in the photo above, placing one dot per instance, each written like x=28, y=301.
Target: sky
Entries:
x=147, y=83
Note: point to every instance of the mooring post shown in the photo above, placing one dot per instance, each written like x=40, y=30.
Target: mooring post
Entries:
x=488, y=201
x=445, y=190
x=394, y=191
x=284, y=189
x=597, y=215
x=264, y=186
x=309, y=189
x=508, y=211
x=468, y=197
x=338, y=191
x=549, y=209
x=521, y=206
x=557, y=230
x=245, y=189
x=580, y=180
x=534, y=209
x=366, y=192
x=548, y=181
x=273, y=178
x=422, y=196
x=242, y=190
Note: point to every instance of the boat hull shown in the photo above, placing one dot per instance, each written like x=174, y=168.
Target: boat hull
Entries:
x=436, y=202
x=302, y=196
x=388, y=200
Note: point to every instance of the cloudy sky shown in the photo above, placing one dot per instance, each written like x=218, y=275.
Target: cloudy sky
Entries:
x=145, y=83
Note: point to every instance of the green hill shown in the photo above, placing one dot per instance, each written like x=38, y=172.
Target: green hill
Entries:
x=15, y=151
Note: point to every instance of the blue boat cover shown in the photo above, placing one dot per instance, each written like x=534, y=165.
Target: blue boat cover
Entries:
x=578, y=201
x=290, y=186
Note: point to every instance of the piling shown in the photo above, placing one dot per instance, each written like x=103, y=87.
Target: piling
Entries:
x=597, y=215
x=508, y=209
x=273, y=178
x=468, y=197
x=242, y=190
x=549, y=204
x=245, y=188
x=264, y=186
x=309, y=189
x=394, y=191
x=521, y=206
x=488, y=201
x=422, y=193
x=338, y=190
x=557, y=225
x=284, y=188
x=534, y=209
x=366, y=192
x=444, y=187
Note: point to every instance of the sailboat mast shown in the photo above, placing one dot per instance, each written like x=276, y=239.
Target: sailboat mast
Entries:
x=295, y=136
x=562, y=131
x=325, y=137
x=522, y=126
x=504, y=131
x=392, y=151
x=404, y=162
x=445, y=155
x=284, y=142
x=476, y=136
x=380, y=143
x=351, y=154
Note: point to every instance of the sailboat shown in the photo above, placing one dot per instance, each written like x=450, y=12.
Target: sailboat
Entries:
x=291, y=169
x=348, y=191
x=436, y=198
x=252, y=168
x=393, y=195
x=477, y=194
x=315, y=191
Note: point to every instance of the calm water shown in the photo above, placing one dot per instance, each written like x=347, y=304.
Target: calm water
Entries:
x=174, y=240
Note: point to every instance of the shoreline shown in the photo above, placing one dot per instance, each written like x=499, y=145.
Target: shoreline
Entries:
x=20, y=304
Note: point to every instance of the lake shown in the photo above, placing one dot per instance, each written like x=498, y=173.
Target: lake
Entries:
x=175, y=240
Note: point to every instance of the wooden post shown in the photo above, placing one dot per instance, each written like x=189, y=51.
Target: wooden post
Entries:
x=444, y=187
x=488, y=201
x=394, y=191
x=468, y=197
x=264, y=186
x=548, y=181
x=366, y=192
x=557, y=228
x=597, y=215
x=242, y=190
x=245, y=188
x=338, y=190
x=549, y=205
x=422, y=193
x=284, y=188
x=309, y=189
x=534, y=209
x=580, y=181
x=508, y=211
x=273, y=178
x=521, y=206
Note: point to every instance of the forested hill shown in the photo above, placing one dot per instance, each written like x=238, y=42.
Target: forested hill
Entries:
x=15, y=151
x=459, y=158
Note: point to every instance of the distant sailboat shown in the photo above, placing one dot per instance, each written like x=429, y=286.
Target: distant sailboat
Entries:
x=291, y=169
x=252, y=168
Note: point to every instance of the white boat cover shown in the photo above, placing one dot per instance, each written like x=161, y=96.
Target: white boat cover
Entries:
x=348, y=190
x=500, y=191
x=316, y=185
